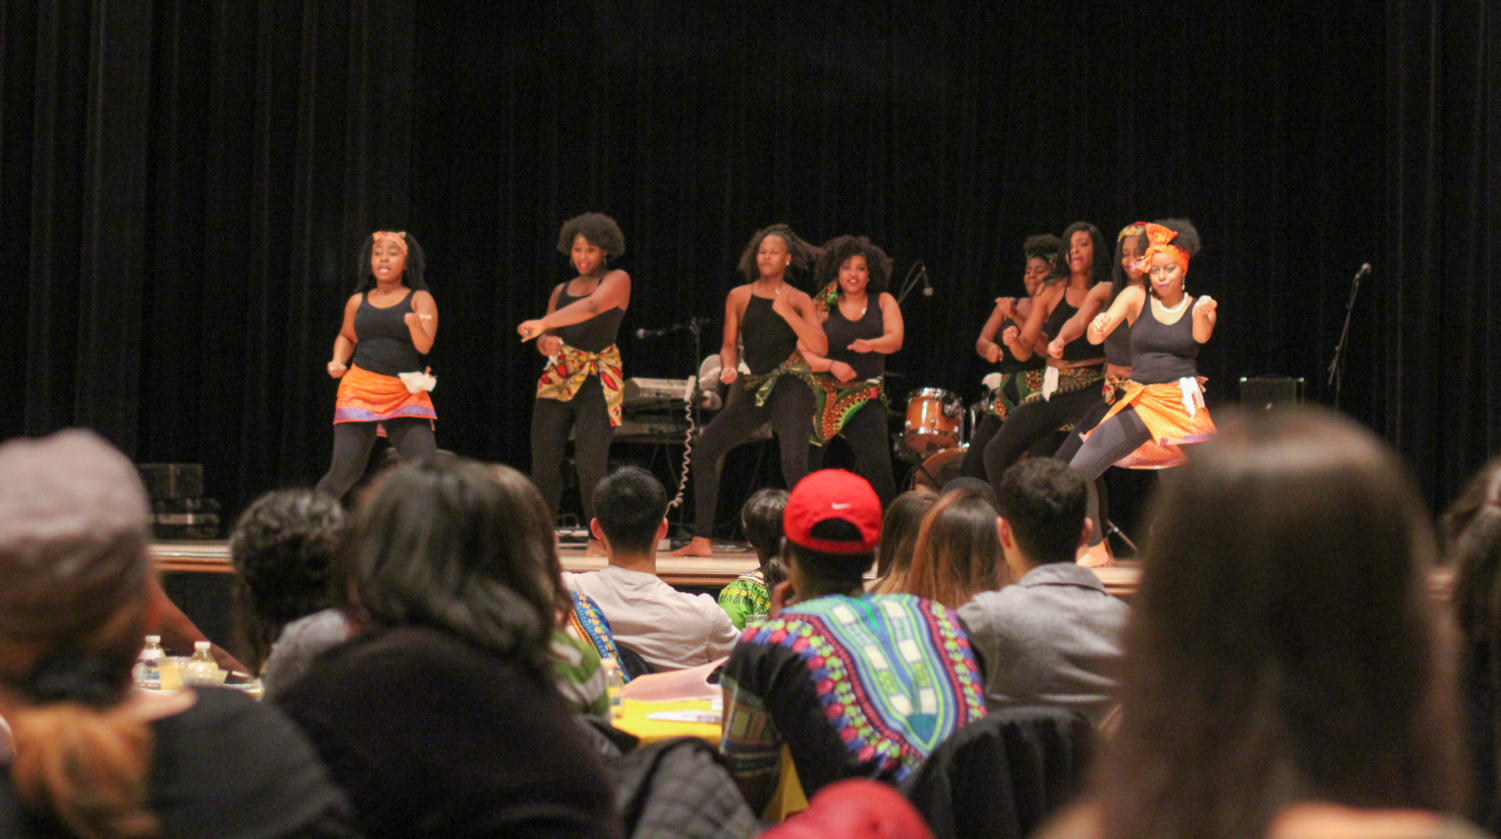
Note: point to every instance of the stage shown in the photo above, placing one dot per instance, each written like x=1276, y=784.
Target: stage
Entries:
x=698, y=573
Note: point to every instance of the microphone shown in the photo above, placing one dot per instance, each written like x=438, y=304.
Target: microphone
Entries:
x=927, y=287
x=1365, y=271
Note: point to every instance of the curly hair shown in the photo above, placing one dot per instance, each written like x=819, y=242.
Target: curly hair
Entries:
x=1044, y=246
x=411, y=275
x=803, y=254
x=282, y=549
x=835, y=251
x=597, y=228
x=1188, y=235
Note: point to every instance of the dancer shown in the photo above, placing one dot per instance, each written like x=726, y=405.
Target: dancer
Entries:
x=773, y=318
x=1019, y=379
x=1127, y=271
x=1163, y=402
x=1071, y=384
x=581, y=390
x=848, y=381
x=389, y=325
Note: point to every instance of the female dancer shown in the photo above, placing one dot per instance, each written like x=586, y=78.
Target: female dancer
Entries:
x=1163, y=402
x=1071, y=384
x=773, y=318
x=850, y=376
x=581, y=388
x=389, y=325
x=1019, y=379
x=1127, y=271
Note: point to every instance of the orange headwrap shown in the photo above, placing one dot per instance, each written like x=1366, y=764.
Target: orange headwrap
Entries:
x=399, y=237
x=1159, y=240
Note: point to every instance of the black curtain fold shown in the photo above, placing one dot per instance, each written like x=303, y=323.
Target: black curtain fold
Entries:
x=186, y=185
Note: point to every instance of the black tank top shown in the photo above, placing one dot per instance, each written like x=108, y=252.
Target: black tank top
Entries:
x=1008, y=362
x=841, y=331
x=1118, y=345
x=1163, y=352
x=1078, y=349
x=768, y=339
x=591, y=335
x=383, y=343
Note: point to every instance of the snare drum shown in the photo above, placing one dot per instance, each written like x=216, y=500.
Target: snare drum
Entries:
x=934, y=417
x=939, y=468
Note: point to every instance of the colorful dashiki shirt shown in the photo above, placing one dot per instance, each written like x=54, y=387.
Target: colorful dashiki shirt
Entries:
x=566, y=372
x=855, y=687
x=590, y=624
x=747, y=595
x=577, y=673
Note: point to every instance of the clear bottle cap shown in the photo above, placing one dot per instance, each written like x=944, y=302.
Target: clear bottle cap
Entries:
x=202, y=645
x=153, y=639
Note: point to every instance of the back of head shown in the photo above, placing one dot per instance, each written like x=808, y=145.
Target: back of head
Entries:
x=1043, y=501
x=282, y=549
x=73, y=575
x=629, y=504
x=1472, y=547
x=1281, y=647
x=761, y=519
x=831, y=525
x=958, y=550
x=455, y=545
x=899, y=531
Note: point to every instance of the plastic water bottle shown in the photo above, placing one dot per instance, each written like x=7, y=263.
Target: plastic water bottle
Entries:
x=201, y=669
x=148, y=670
x=614, y=686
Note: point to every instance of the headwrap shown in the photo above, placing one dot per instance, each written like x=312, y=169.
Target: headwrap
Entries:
x=399, y=237
x=1159, y=240
x=1135, y=228
x=73, y=537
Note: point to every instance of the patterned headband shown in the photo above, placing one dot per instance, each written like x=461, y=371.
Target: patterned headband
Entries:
x=1159, y=240
x=1135, y=228
x=399, y=237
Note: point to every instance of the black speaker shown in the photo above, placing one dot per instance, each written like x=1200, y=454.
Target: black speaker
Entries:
x=1268, y=392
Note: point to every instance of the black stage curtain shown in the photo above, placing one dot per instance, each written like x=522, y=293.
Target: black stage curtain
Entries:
x=184, y=185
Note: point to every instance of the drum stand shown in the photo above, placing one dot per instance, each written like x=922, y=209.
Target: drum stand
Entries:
x=1112, y=530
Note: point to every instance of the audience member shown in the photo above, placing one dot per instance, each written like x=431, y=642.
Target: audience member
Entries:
x=854, y=809
x=669, y=629
x=1472, y=545
x=749, y=595
x=899, y=538
x=854, y=685
x=1052, y=638
x=281, y=548
x=439, y=717
x=1283, y=676
x=93, y=758
x=958, y=551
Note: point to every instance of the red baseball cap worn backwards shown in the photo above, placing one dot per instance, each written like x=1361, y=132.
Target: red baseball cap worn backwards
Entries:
x=833, y=494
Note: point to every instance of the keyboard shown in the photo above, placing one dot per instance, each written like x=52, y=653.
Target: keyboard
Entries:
x=640, y=390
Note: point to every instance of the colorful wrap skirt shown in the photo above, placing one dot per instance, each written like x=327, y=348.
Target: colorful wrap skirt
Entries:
x=762, y=384
x=371, y=397
x=835, y=402
x=567, y=371
x=1012, y=391
x=1065, y=380
x=1173, y=412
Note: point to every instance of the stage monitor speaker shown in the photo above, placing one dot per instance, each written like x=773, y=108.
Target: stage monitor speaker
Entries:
x=1268, y=392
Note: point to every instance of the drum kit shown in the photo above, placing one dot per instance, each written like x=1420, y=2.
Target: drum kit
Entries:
x=935, y=435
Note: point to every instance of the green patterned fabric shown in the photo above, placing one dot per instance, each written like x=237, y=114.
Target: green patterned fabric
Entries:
x=747, y=595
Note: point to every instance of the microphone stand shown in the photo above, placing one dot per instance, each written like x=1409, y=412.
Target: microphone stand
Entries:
x=1337, y=366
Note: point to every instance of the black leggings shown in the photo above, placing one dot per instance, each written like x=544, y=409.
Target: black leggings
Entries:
x=866, y=433
x=1031, y=423
x=412, y=438
x=1111, y=440
x=589, y=418
x=789, y=409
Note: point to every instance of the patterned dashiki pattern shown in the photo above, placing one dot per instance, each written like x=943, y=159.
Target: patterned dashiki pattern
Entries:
x=745, y=596
x=893, y=676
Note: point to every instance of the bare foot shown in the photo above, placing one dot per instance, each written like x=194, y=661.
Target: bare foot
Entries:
x=595, y=548
x=1097, y=556
x=697, y=546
